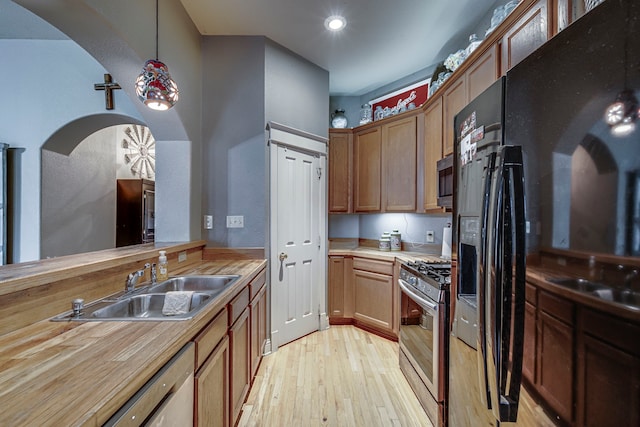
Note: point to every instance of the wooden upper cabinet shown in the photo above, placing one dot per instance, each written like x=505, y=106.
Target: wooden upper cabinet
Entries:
x=367, y=151
x=454, y=99
x=484, y=71
x=432, y=153
x=340, y=167
x=526, y=35
x=399, y=165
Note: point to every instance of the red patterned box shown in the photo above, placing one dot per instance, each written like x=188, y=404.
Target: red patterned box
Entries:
x=416, y=93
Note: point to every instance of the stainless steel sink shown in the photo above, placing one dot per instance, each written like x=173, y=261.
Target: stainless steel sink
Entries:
x=622, y=296
x=147, y=306
x=582, y=285
x=605, y=292
x=147, y=303
x=213, y=284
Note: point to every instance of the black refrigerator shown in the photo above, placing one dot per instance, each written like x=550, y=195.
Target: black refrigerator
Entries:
x=547, y=167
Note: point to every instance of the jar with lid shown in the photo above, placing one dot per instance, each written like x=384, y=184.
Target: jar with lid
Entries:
x=384, y=244
x=474, y=42
x=396, y=241
x=338, y=119
x=365, y=114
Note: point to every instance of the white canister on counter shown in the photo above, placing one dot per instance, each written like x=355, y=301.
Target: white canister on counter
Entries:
x=384, y=243
x=396, y=241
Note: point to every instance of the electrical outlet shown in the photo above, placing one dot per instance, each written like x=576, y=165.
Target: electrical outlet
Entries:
x=431, y=237
x=182, y=256
x=236, y=221
x=208, y=222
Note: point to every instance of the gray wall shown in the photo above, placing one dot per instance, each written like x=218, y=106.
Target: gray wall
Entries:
x=297, y=91
x=249, y=81
x=78, y=197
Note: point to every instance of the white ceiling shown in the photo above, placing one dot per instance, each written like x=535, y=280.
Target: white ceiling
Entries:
x=384, y=40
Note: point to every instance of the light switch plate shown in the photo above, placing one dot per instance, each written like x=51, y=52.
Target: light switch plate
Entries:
x=208, y=222
x=430, y=236
x=182, y=256
x=235, y=221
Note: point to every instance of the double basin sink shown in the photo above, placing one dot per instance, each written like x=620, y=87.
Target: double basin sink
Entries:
x=147, y=302
x=625, y=297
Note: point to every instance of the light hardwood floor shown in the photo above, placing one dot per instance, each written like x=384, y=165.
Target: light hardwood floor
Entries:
x=342, y=376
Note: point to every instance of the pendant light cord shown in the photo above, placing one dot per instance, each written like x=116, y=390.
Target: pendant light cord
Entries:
x=156, y=30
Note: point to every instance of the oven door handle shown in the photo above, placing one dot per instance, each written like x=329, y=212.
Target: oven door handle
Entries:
x=428, y=306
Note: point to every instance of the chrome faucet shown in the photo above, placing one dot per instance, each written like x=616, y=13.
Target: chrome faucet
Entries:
x=132, y=278
x=629, y=277
x=154, y=275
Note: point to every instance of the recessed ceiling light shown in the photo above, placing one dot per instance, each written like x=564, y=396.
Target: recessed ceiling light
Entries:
x=335, y=23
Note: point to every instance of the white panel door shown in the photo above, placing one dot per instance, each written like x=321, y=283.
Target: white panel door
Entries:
x=295, y=260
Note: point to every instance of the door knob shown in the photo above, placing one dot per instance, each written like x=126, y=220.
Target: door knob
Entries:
x=282, y=256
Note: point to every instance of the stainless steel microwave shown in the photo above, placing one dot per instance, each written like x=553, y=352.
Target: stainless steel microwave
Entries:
x=445, y=182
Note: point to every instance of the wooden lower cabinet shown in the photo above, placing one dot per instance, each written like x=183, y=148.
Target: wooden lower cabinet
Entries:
x=240, y=371
x=555, y=364
x=529, y=356
x=374, y=293
x=258, y=314
x=336, y=287
x=608, y=371
x=212, y=389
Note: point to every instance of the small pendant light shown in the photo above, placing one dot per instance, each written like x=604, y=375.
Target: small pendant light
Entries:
x=154, y=86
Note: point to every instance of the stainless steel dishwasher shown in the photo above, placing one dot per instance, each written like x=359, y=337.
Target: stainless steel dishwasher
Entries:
x=166, y=399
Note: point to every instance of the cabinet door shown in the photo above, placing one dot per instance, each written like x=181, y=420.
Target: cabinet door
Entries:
x=212, y=389
x=526, y=35
x=258, y=316
x=239, y=343
x=336, y=286
x=432, y=153
x=367, y=148
x=454, y=100
x=482, y=73
x=340, y=167
x=529, y=356
x=555, y=364
x=609, y=384
x=399, y=165
x=374, y=299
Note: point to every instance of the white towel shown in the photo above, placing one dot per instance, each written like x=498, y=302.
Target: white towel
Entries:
x=176, y=302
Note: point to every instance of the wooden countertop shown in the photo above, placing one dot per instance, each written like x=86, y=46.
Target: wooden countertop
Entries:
x=74, y=373
x=368, y=252
x=540, y=276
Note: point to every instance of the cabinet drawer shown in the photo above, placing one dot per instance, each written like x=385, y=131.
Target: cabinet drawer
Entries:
x=257, y=283
x=374, y=266
x=238, y=304
x=530, y=294
x=209, y=337
x=614, y=330
x=560, y=308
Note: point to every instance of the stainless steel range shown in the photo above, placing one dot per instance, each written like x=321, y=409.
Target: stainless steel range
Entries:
x=424, y=333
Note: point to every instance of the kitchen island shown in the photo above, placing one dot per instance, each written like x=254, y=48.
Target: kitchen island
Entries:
x=81, y=373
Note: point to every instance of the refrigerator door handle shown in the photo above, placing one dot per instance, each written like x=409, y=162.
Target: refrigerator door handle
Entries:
x=504, y=293
x=488, y=200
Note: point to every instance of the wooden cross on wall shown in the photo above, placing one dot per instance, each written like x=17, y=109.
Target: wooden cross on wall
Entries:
x=108, y=87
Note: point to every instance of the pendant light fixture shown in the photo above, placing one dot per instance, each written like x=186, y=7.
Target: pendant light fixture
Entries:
x=154, y=86
x=622, y=114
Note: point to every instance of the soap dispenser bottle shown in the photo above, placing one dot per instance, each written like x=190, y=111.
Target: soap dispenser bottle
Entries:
x=163, y=266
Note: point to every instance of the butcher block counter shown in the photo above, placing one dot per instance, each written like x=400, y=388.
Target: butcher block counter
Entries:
x=80, y=373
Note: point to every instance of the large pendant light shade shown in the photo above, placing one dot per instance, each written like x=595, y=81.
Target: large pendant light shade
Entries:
x=154, y=86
